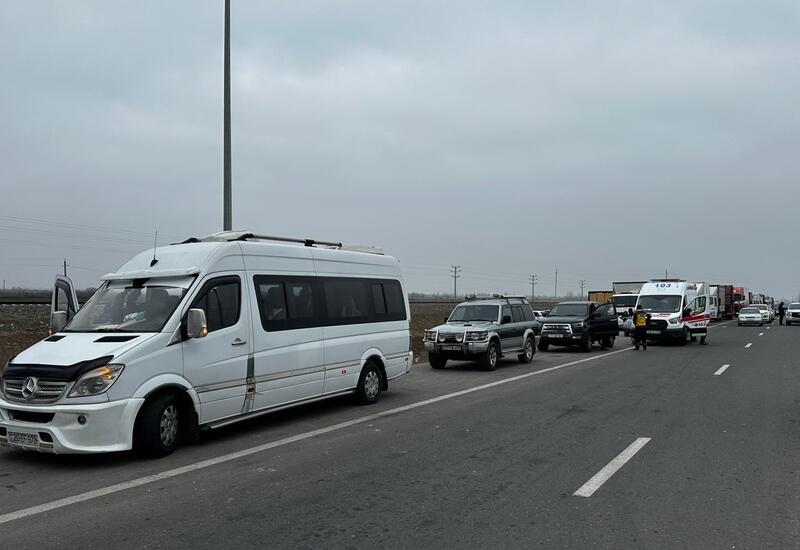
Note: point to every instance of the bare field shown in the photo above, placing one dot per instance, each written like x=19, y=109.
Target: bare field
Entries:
x=21, y=326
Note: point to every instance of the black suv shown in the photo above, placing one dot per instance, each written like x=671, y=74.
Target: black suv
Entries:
x=484, y=330
x=579, y=324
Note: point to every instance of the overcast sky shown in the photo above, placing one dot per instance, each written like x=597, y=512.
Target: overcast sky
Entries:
x=608, y=140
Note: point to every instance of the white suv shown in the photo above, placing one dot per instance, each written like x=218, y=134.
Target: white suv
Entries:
x=793, y=314
x=766, y=312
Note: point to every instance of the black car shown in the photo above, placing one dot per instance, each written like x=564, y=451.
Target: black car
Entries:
x=579, y=324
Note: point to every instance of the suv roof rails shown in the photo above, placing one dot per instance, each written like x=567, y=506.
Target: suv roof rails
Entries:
x=506, y=297
x=229, y=236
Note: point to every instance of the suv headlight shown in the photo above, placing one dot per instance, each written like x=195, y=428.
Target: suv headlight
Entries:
x=430, y=335
x=579, y=324
x=96, y=381
x=477, y=336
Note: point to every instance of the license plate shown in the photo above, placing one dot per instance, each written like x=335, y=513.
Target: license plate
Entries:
x=653, y=332
x=17, y=438
x=555, y=335
x=451, y=348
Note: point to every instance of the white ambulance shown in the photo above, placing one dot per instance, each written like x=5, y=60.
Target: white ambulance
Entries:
x=679, y=310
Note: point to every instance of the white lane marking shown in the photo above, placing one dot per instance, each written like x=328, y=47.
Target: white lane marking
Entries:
x=761, y=334
x=722, y=369
x=97, y=493
x=597, y=481
x=748, y=345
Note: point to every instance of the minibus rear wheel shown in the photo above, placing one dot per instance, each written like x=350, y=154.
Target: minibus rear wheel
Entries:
x=370, y=384
x=158, y=427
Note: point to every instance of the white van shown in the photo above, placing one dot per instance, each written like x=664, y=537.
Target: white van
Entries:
x=679, y=310
x=204, y=333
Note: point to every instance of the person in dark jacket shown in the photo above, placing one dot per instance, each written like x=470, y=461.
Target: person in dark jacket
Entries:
x=781, y=312
x=640, y=319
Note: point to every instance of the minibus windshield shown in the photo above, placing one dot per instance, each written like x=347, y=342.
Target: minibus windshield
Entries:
x=667, y=303
x=127, y=308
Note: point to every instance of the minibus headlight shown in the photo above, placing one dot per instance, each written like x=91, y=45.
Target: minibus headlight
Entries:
x=674, y=321
x=96, y=381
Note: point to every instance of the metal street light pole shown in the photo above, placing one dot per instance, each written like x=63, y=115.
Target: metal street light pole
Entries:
x=226, y=161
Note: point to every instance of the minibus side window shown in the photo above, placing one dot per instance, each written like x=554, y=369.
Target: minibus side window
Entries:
x=378, y=298
x=287, y=303
x=346, y=299
x=220, y=299
x=395, y=303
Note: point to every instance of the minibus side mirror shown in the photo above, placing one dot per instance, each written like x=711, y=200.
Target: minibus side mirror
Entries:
x=58, y=321
x=196, y=326
x=687, y=312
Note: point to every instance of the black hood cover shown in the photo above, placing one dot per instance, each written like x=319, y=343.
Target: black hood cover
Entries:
x=65, y=373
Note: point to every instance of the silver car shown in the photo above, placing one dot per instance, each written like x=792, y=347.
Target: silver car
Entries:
x=751, y=316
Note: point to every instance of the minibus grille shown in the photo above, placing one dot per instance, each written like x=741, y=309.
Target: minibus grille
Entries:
x=47, y=391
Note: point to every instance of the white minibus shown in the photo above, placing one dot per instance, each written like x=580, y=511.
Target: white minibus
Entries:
x=204, y=333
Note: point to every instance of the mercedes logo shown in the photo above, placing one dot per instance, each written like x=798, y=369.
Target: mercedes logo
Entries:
x=30, y=387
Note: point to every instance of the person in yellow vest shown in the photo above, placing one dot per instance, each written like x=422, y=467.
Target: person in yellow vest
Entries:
x=640, y=318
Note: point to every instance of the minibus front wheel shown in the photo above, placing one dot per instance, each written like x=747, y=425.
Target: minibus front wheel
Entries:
x=159, y=426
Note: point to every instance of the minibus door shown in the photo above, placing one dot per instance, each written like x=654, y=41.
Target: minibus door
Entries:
x=63, y=299
x=216, y=365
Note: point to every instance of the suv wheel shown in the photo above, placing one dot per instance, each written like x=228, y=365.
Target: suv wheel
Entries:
x=542, y=345
x=527, y=351
x=608, y=342
x=492, y=356
x=436, y=361
x=158, y=428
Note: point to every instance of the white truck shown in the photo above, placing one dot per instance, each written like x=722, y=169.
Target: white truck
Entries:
x=679, y=310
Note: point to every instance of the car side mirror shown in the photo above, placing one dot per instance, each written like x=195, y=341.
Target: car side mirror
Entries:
x=196, y=326
x=506, y=319
x=445, y=320
x=58, y=321
x=594, y=315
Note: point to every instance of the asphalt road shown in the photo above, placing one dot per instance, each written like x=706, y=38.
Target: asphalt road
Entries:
x=667, y=454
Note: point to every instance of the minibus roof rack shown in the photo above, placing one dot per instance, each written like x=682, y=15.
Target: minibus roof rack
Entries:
x=229, y=236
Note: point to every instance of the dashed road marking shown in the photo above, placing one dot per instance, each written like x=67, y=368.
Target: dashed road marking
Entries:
x=748, y=345
x=722, y=369
x=597, y=480
x=761, y=333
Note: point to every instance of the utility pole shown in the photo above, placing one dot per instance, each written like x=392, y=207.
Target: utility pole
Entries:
x=65, y=267
x=533, y=278
x=582, y=284
x=455, y=272
x=555, y=287
x=666, y=273
x=227, y=221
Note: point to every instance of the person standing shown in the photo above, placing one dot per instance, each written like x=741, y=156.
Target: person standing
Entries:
x=640, y=319
x=781, y=312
